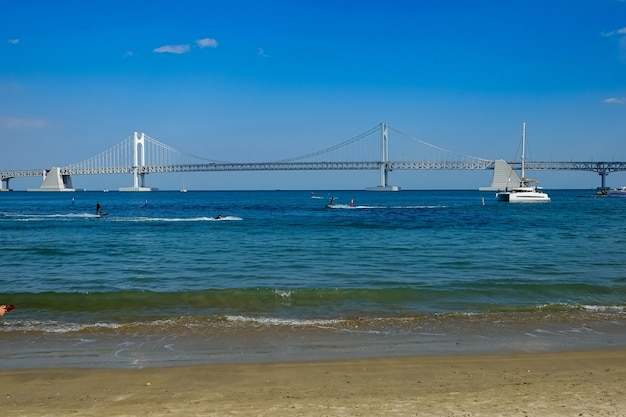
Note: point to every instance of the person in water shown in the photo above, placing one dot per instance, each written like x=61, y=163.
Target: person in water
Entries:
x=6, y=309
x=98, y=208
x=332, y=201
x=219, y=216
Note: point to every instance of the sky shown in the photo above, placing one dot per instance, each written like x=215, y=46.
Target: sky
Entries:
x=250, y=81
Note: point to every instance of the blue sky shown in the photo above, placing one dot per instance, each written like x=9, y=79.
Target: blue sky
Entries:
x=252, y=81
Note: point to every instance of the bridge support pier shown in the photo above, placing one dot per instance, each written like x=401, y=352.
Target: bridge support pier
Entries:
x=603, y=175
x=384, y=166
x=139, y=160
x=5, y=184
x=53, y=180
x=504, y=177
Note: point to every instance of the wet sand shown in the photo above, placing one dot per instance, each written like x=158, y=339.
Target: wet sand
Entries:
x=550, y=384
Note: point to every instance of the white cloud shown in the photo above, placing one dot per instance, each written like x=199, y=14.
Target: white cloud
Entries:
x=184, y=48
x=615, y=100
x=14, y=41
x=206, y=43
x=621, y=31
x=262, y=53
x=128, y=54
x=172, y=49
x=22, y=123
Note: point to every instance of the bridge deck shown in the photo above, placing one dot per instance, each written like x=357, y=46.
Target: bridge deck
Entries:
x=599, y=167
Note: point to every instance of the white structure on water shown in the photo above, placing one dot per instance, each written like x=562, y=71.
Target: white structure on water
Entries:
x=53, y=180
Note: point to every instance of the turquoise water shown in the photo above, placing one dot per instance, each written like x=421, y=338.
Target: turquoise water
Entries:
x=161, y=281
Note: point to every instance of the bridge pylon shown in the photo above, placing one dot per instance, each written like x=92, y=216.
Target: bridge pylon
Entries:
x=384, y=162
x=139, y=161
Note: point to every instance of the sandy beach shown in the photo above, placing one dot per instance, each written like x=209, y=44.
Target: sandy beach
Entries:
x=550, y=384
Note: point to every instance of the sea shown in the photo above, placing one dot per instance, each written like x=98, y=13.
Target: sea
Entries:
x=168, y=278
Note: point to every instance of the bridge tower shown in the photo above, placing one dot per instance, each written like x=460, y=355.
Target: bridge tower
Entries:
x=139, y=161
x=384, y=162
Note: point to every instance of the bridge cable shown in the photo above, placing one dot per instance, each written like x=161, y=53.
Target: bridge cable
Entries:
x=332, y=148
x=171, y=149
x=437, y=147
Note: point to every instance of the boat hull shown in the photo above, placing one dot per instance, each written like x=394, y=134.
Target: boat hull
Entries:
x=617, y=192
x=522, y=196
x=503, y=196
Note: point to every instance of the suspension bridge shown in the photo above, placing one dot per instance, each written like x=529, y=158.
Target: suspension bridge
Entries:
x=140, y=155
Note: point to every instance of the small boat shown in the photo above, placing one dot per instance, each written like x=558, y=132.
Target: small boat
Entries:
x=525, y=192
x=617, y=192
x=183, y=190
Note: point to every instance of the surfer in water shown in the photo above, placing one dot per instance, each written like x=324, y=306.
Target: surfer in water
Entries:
x=98, y=208
x=219, y=216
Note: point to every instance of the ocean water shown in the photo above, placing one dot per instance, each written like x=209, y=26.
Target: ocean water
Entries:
x=161, y=281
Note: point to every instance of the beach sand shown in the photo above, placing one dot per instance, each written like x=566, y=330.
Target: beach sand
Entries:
x=545, y=384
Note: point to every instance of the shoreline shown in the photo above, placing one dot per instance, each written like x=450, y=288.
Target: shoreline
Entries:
x=224, y=342
x=196, y=341
x=525, y=384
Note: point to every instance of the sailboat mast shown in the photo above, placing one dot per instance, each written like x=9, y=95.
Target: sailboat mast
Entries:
x=523, y=149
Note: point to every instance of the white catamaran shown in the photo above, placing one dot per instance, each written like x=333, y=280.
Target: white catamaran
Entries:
x=525, y=192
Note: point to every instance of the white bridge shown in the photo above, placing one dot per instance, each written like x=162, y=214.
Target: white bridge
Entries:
x=139, y=155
